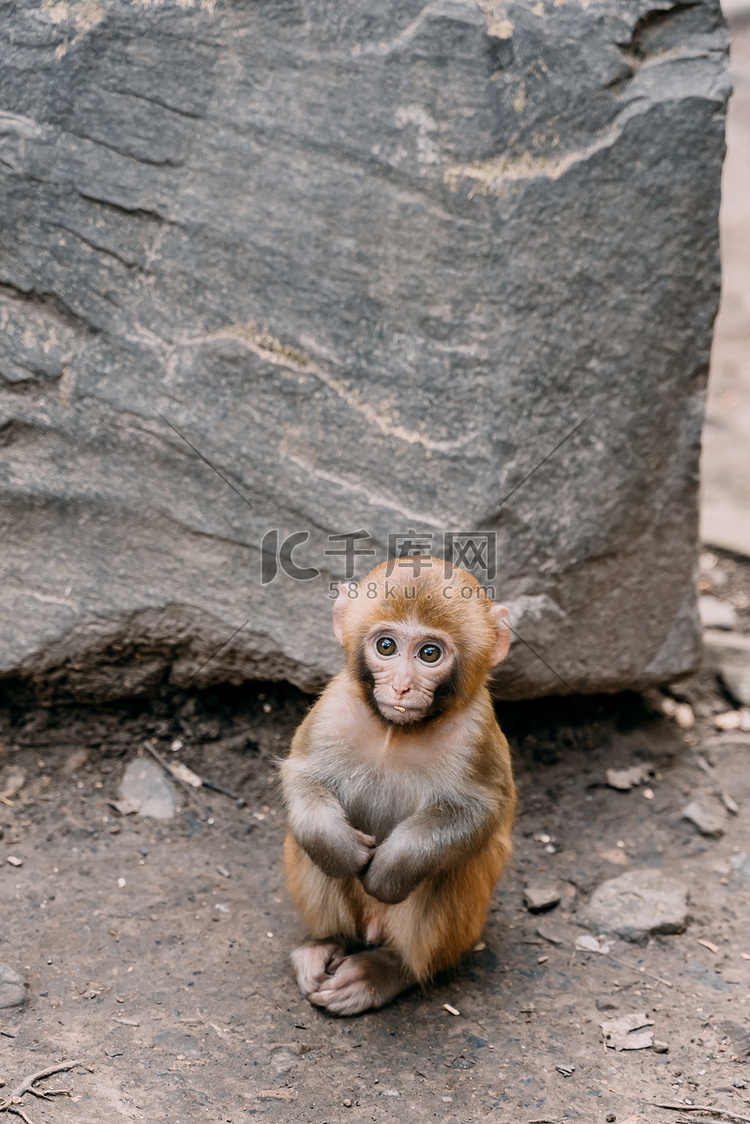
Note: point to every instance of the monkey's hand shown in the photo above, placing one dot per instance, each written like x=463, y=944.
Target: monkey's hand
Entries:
x=427, y=842
x=388, y=877
x=319, y=824
x=338, y=848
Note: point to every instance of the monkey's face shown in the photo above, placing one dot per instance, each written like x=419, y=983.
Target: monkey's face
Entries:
x=408, y=672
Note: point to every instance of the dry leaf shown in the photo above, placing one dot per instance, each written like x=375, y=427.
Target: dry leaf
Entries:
x=181, y=771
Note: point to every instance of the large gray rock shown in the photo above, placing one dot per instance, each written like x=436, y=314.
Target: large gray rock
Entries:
x=637, y=905
x=374, y=262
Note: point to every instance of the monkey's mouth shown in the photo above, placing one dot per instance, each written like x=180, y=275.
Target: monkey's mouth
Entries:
x=401, y=715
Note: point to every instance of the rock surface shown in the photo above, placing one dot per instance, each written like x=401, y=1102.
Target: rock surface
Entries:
x=147, y=790
x=636, y=905
x=539, y=896
x=12, y=987
x=374, y=263
x=708, y=816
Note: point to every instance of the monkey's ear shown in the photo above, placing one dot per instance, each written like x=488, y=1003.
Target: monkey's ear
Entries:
x=339, y=609
x=499, y=618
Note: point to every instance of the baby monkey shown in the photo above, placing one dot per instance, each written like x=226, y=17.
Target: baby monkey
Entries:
x=398, y=787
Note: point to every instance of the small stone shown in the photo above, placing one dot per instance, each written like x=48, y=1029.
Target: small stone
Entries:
x=145, y=786
x=709, y=818
x=566, y=1070
x=587, y=943
x=684, y=716
x=625, y=779
x=660, y=1047
x=637, y=904
x=730, y=803
x=728, y=720
x=14, y=860
x=539, y=896
x=347, y=1103
x=75, y=761
x=13, y=782
x=12, y=987
x=736, y=679
x=610, y=1117
x=715, y=613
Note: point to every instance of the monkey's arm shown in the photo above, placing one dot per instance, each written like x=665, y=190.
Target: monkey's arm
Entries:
x=318, y=823
x=433, y=839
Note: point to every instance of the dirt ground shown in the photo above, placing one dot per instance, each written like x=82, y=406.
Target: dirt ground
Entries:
x=156, y=952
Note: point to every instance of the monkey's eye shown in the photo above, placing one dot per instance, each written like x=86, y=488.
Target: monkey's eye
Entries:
x=385, y=646
x=430, y=653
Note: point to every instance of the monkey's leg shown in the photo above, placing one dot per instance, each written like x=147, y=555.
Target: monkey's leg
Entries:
x=328, y=905
x=333, y=910
x=314, y=962
x=362, y=981
x=444, y=916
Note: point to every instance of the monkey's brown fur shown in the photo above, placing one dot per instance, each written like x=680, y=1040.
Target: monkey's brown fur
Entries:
x=400, y=827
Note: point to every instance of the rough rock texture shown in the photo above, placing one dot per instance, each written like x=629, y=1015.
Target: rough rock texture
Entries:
x=375, y=262
x=146, y=790
x=708, y=816
x=539, y=896
x=637, y=905
x=12, y=987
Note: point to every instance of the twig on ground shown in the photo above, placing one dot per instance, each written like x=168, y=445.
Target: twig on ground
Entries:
x=19, y=1112
x=219, y=788
x=702, y=1108
x=183, y=784
x=175, y=777
x=639, y=970
x=25, y=1086
x=624, y=964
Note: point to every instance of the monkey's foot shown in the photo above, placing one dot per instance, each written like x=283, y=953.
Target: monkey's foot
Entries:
x=316, y=962
x=362, y=981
